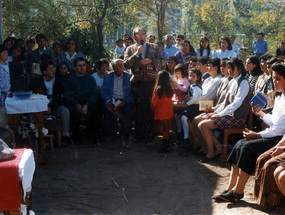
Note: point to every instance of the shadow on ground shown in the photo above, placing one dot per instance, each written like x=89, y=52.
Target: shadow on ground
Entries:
x=111, y=179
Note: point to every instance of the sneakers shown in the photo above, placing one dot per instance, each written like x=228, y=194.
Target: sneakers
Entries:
x=231, y=196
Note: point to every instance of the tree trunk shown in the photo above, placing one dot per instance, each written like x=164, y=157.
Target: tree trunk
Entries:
x=100, y=39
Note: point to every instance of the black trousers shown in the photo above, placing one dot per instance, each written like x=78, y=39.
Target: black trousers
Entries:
x=142, y=94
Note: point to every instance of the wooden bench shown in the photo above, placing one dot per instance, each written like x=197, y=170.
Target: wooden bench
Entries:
x=233, y=130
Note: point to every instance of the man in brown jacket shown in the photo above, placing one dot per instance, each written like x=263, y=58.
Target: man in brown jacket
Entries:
x=143, y=59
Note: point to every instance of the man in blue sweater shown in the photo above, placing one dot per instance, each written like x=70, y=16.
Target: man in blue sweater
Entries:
x=84, y=89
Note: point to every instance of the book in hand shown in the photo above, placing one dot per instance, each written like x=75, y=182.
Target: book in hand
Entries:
x=259, y=99
x=203, y=105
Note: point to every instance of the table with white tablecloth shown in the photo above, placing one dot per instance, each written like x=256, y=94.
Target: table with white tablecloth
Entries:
x=36, y=105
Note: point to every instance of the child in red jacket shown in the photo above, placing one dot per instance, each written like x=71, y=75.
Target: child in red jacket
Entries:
x=161, y=104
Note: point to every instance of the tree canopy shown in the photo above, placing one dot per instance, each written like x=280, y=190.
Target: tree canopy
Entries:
x=107, y=19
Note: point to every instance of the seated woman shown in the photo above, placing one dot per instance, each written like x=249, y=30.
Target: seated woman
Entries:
x=219, y=98
x=186, y=50
x=267, y=191
x=231, y=113
x=252, y=66
x=226, y=49
x=280, y=52
x=62, y=72
x=246, y=151
x=70, y=54
x=210, y=85
x=209, y=90
x=205, y=49
x=264, y=82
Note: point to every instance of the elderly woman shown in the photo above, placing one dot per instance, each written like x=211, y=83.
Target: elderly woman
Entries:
x=70, y=54
x=246, y=151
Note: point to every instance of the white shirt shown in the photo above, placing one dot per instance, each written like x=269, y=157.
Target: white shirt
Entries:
x=204, y=53
x=99, y=81
x=276, y=120
x=235, y=48
x=68, y=56
x=228, y=53
x=210, y=87
x=196, y=93
x=238, y=99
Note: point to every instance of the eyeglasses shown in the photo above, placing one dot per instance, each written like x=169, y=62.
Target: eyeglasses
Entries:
x=178, y=39
x=137, y=35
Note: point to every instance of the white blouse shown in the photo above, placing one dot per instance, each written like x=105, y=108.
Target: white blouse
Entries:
x=210, y=87
x=228, y=53
x=204, y=53
x=238, y=99
x=276, y=120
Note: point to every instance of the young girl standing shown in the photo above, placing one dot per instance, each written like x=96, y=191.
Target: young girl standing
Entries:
x=163, y=111
x=192, y=103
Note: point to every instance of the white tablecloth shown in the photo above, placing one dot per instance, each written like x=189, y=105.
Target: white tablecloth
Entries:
x=17, y=106
x=26, y=170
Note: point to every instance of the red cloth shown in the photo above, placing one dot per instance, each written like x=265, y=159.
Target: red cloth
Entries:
x=9, y=183
x=162, y=107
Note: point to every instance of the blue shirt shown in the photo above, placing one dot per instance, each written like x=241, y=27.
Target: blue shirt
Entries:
x=118, y=92
x=259, y=47
x=170, y=51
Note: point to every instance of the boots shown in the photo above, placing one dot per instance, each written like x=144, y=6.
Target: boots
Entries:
x=165, y=147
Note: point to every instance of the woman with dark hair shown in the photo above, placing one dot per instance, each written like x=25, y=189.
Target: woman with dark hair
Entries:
x=17, y=53
x=160, y=45
x=253, y=69
x=226, y=49
x=210, y=85
x=232, y=112
x=246, y=151
x=186, y=50
x=62, y=72
x=101, y=71
x=205, y=49
x=70, y=54
x=171, y=62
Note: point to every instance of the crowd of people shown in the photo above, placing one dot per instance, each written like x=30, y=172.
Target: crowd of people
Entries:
x=186, y=95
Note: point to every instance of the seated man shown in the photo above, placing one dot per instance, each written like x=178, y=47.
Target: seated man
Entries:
x=117, y=94
x=84, y=90
x=47, y=84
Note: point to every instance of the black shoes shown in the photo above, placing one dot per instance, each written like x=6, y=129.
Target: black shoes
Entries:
x=231, y=196
x=217, y=197
x=127, y=141
x=165, y=147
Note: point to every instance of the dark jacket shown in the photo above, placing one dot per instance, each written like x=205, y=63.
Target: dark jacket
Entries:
x=57, y=99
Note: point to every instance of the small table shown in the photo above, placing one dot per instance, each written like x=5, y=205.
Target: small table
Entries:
x=16, y=176
x=36, y=105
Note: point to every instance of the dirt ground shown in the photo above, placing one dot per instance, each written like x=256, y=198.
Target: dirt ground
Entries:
x=111, y=179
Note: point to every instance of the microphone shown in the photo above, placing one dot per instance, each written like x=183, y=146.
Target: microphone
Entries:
x=141, y=42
